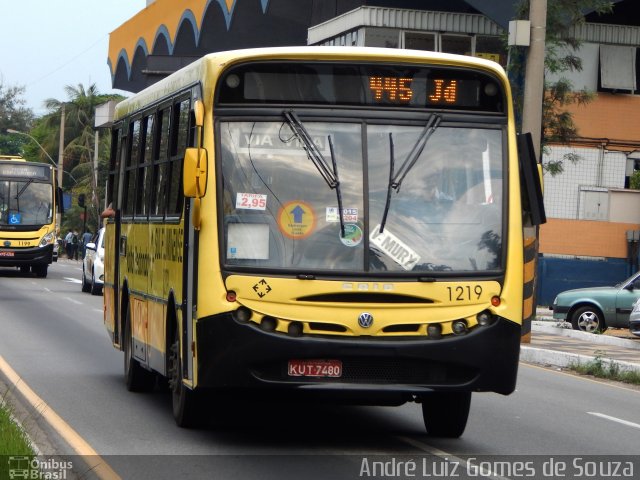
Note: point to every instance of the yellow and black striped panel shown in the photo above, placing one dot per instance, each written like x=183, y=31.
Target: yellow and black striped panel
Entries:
x=529, y=290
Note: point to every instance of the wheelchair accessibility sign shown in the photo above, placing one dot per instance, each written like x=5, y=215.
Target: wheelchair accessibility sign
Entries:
x=15, y=218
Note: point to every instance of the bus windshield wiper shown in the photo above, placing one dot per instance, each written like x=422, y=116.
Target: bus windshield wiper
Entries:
x=19, y=194
x=395, y=179
x=330, y=175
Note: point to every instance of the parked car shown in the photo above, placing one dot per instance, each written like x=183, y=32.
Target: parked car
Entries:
x=634, y=319
x=56, y=249
x=93, y=264
x=598, y=308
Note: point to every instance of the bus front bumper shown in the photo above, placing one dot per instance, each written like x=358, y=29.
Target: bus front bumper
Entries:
x=234, y=355
x=18, y=257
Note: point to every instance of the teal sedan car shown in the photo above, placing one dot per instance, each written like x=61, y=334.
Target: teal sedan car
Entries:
x=598, y=308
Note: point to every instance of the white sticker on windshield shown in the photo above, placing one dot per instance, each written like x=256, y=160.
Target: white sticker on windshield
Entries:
x=348, y=215
x=251, y=201
x=395, y=248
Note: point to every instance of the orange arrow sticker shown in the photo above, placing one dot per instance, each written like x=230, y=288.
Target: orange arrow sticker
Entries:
x=296, y=219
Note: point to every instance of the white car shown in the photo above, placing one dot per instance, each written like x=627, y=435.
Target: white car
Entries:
x=93, y=265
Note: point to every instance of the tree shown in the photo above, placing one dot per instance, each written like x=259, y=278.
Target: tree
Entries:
x=558, y=125
x=13, y=114
x=79, y=145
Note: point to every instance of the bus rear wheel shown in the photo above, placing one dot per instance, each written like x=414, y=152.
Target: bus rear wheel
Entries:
x=136, y=377
x=185, y=402
x=445, y=414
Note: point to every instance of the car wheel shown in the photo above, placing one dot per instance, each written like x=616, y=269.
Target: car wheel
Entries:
x=588, y=319
x=94, y=288
x=85, y=285
x=445, y=414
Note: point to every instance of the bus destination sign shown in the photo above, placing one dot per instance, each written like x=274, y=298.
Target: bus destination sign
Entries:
x=30, y=171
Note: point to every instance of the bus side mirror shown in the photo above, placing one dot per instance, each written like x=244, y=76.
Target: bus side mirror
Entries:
x=531, y=174
x=60, y=200
x=194, y=173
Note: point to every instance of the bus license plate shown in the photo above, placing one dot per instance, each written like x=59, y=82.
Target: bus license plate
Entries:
x=7, y=254
x=315, y=368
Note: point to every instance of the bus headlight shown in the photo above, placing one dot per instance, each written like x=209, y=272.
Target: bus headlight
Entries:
x=459, y=327
x=47, y=239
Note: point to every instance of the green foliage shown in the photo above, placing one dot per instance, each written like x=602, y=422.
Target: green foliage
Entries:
x=13, y=440
x=79, y=147
x=13, y=114
x=558, y=124
x=634, y=180
x=602, y=367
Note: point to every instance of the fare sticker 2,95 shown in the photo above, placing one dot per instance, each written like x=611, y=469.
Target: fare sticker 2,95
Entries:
x=500, y=467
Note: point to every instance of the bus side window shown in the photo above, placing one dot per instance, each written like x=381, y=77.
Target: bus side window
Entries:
x=179, y=142
x=131, y=170
x=114, y=167
x=160, y=162
x=144, y=169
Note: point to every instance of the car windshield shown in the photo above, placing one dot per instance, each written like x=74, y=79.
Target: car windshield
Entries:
x=628, y=280
x=25, y=203
x=444, y=213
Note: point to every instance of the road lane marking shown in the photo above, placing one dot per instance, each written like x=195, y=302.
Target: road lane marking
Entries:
x=72, y=300
x=95, y=463
x=72, y=280
x=614, y=419
x=448, y=457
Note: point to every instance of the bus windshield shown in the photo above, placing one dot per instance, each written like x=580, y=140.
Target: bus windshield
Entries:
x=446, y=216
x=25, y=203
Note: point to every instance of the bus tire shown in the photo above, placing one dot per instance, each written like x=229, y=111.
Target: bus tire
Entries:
x=40, y=270
x=137, y=378
x=445, y=414
x=185, y=402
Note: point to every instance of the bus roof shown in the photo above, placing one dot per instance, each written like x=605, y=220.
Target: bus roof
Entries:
x=12, y=158
x=210, y=65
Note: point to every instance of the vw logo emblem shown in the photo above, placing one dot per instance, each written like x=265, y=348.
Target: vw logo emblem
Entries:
x=365, y=320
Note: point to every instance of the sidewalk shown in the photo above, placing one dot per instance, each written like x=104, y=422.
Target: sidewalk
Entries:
x=554, y=344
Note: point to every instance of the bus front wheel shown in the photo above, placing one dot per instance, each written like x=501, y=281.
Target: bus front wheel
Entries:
x=185, y=402
x=40, y=270
x=445, y=413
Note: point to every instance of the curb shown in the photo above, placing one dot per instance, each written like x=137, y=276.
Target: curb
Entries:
x=556, y=329
x=542, y=356
x=546, y=357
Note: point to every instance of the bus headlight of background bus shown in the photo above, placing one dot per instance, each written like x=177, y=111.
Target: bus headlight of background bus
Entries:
x=47, y=239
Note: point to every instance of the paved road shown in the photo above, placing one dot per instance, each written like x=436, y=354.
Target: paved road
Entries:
x=52, y=335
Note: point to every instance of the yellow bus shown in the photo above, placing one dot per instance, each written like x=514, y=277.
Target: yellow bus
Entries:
x=29, y=201
x=342, y=224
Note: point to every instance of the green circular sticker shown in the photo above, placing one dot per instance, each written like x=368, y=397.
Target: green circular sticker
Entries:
x=352, y=235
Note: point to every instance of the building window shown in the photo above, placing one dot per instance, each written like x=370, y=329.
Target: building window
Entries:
x=491, y=48
x=618, y=68
x=459, y=44
x=420, y=41
x=381, y=37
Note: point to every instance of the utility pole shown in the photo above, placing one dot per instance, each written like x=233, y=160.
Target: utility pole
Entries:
x=532, y=122
x=94, y=180
x=534, y=75
x=61, y=148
